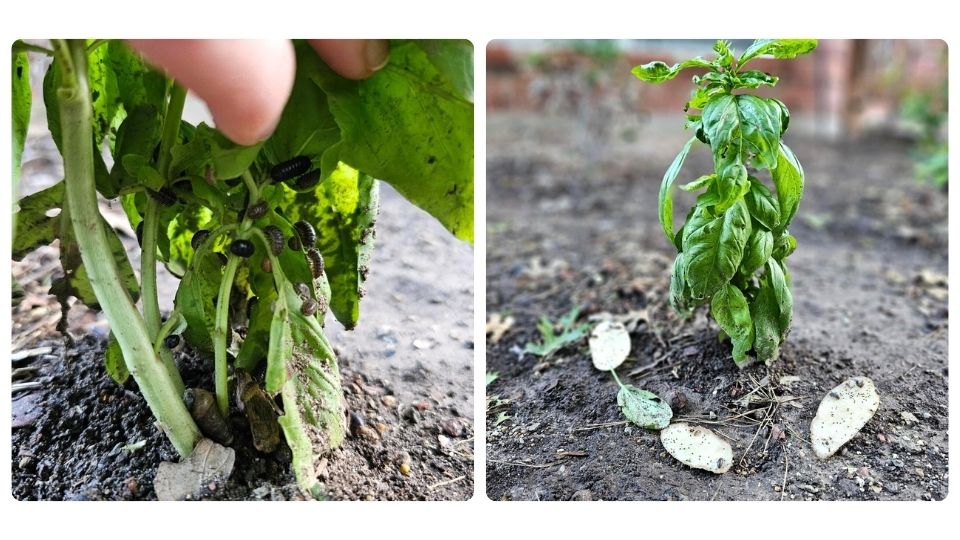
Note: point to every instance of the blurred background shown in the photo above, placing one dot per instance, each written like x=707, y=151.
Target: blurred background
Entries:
x=845, y=89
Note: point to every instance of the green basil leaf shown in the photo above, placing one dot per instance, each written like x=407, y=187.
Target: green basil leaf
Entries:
x=75, y=281
x=758, y=251
x=195, y=299
x=713, y=248
x=137, y=138
x=643, y=408
x=699, y=183
x=409, y=126
x=782, y=294
x=342, y=209
x=766, y=321
x=114, y=363
x=302, y=368
x=453, y=59
x=657, y=72
x=763, y=205
x=138, y=85
x=20, y=114
x=785, y=245
x=730, y=309
x=754, y=79
x=666, y=193
x=34, y=227
x=679, y=291
x=778, y=48
x=209, y=147
x=724, y=53
x=740, y=127
x=788, y=179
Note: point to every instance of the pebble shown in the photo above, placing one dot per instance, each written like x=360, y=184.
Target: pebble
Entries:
x=356, y=423
x=423, y=405
x=389, y=401
x=452, y=427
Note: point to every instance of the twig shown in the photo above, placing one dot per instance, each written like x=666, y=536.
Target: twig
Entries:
x=530, y=465
x=590, y=427
x=786, y=467
x=446, y=482
x=24, y=386
x=30, y=353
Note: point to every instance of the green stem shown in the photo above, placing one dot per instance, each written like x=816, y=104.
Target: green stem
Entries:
x=220, y=334
x=614, y=373
x=172, y=321
x=21, y=46
x=127, y=325
x=251, y=186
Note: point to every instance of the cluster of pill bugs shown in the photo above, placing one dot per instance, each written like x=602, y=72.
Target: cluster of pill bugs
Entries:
x=304, y=238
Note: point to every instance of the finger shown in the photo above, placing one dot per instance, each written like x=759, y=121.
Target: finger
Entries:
x=245, y=83
x=353, y=58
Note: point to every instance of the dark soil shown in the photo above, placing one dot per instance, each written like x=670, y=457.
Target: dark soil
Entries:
x=870, y=297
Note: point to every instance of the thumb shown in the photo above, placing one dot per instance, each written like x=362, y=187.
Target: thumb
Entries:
x=245, y=83
x=353, y=58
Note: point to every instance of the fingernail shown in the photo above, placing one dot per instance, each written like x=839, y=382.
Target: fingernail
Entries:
x=376, y=52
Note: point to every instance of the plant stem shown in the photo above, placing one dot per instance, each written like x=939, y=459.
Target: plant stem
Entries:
x=220, y=334
x=165, y=330
x=21, y=46
x=614, y=373
x=251, y=186
x=128, y=326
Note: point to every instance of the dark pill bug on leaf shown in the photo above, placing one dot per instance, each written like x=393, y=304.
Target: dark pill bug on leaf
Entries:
x=290, y=169
x=171, y=341
x=198, y=238
x=241, y=247
x=275, y=237
x=257, y=211
x=164, y=196
x=309, y=306
x=307, y=181
x=293, y=243
x=316, y=262
x=306, y=233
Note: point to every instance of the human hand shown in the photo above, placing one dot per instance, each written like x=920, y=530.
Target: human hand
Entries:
x=245, y=83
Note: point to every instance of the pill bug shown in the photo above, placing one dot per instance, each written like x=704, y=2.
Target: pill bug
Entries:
x=171, y=341
x=241, y=247
x=309, y=306
x=302, y=289
x=164, y=196
x=203, y=409
x=290, y=168
x=251, y=303
x=306, y=233
x=261, y=414
x=293, y=242
x=199, y=237
x=266, y=265
x=257, y=211
x=275, y=238
x=316, y=262
x=308, y=180
x=140, y=233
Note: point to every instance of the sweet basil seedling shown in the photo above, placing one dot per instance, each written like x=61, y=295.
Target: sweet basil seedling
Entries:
x=733, y=245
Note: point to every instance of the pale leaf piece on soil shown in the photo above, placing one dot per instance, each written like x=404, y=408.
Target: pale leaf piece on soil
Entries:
x=842, y=414
x=497, y=326
x=208, y=463
x=697, y=447
x=644, y=408
x=609, y=345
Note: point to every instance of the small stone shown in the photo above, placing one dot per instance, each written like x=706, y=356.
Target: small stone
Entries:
x=410, y=414
x=452, y=427
x=212, y=486
x=881, y=438
x=389, y=401
x=356, y=423
x=423, y=344
x=381, y=427
x=367, y=432
x=908, y=418
x=422, y=405
x=405, y=469
x=677, y=399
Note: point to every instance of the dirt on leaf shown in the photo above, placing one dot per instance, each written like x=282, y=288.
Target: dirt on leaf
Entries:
x=870, y=299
